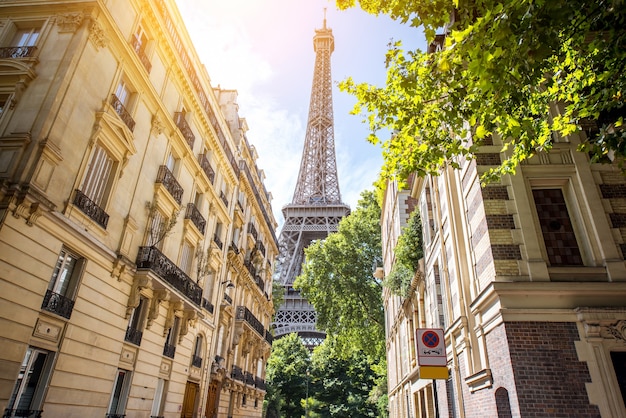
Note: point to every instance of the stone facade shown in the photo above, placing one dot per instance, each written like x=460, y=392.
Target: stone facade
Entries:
x=136, y=235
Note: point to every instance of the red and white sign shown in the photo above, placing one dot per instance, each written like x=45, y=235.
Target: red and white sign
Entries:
x=431, y=347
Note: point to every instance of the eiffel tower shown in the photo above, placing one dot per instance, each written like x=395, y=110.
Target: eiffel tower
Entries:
x=316, y=208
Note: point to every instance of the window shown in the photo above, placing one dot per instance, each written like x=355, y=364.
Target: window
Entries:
x=25, y=37
x=91, y=197
x=217, y=237
x=61, y=291
x=5, y=103
x=122, y=101
x=31, y=382
x=121, y=388
x=134, y=332
x=159, y=400
x=172, y=336
x=158, y=229
x=172, y=163
x=557, y=228
x=21, y=39
x=196, y=359
x=186, y=257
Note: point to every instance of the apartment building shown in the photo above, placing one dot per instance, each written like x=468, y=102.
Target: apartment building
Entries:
x=527, y=279
x=136, y=234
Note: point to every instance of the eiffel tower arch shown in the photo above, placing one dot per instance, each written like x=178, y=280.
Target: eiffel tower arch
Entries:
x=316, y=207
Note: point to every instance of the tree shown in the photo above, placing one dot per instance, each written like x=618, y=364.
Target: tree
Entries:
x=341, y=385
x=286, y=377
x=523, y=71
x=337, y=280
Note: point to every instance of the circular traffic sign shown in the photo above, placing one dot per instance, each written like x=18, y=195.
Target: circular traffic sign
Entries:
x=430, y=339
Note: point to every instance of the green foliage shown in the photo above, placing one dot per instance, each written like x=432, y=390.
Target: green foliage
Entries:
x=342, y=383
x=286, y=377
x=505, y=66
x=278, y=294
x=409, y=250
x=337, y=280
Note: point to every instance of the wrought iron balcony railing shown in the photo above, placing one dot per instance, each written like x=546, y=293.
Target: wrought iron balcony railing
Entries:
x=22, y=413
x=259, y=383
x=228, y=299
x=224, y=198
x=181, y=122
x=89, y=208
x=207, y=305
x=169, y=350
x=217, y=241
x=122, y=112
x=167, y=179
x=244, y=314
x=115, y=415
x=249, y=378
x=58, y=304
x=194, y=215
x=133, y=336
x=153, y=259
x=234, y=248
x=196, y=361
x=206, y=167
x=141, y=53
x=269, y=337
x=237, y=373
x=17, y=51
x=259, y=282
x=252, y=231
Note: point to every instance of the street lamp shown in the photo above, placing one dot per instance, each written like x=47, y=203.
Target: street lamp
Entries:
x=306, y=401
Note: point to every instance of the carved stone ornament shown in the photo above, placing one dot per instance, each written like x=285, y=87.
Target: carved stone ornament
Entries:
x=69, y=22
x=617, y=331
x=158, y=297
x=97, y=35
x=135, y=293
x=157, y=126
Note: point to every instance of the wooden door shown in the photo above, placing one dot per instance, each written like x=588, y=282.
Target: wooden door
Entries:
x=189, y=401
x=212, y=399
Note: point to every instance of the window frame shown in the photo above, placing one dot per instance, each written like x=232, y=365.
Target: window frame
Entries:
x=62, y=290
x=39, y=393
x=124, y=390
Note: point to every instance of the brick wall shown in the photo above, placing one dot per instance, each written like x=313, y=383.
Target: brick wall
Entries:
x=549, y=379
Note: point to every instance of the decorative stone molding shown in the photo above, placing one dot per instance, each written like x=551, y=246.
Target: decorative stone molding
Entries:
x=139, y=284
x=69, y=22
x=189, y=320
x=97, y=35
x=157, y=126
x=158, y=297
x=171, y=313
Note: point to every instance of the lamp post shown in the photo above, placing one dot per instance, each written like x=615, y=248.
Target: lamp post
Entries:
x=306, y=401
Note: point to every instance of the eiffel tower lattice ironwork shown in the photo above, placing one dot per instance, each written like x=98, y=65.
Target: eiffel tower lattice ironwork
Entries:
x=316, y=208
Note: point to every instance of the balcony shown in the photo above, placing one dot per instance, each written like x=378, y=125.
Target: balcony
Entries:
x=244, y=314
x=269, y=337
x=141, y=53
x=206, y=167
x=151, y=258
x=196, y=361
x=249, y=379
x=89, y=208
x=259, y=282
x=18, y=52
x=217, y=241
x=133, y=336
x=224, y=198
x=58, y=304
x=22, y=413
x=194, y=215
x=259, y=383
x=122, y=112
x=207, y=305
x=183, y=126
x=167, y=179
x=234, y=248
x=115, y=415
x=259, y=246
x=169, y=350
x=228, y=299
x=237, y=373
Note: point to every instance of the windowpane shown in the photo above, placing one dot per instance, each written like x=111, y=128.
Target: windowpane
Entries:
x=123, y=93
x=120, y=392
x=97, y=176
x=63, y=273
x=28, y=390
x=25, y=37
x=186, y=258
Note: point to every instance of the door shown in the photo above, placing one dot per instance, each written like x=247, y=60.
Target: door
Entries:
x=212, y=399
x=189, y=401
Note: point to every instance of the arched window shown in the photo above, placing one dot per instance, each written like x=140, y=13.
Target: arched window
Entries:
x=502, y=403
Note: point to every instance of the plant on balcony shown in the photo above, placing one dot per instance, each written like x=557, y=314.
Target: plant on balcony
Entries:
x=203, y=267
x=159, y=228
x=409, y=250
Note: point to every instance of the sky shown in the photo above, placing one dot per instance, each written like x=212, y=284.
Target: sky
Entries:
x=264, y=50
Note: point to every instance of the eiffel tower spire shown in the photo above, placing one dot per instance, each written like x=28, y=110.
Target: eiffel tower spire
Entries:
x=316, y=208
